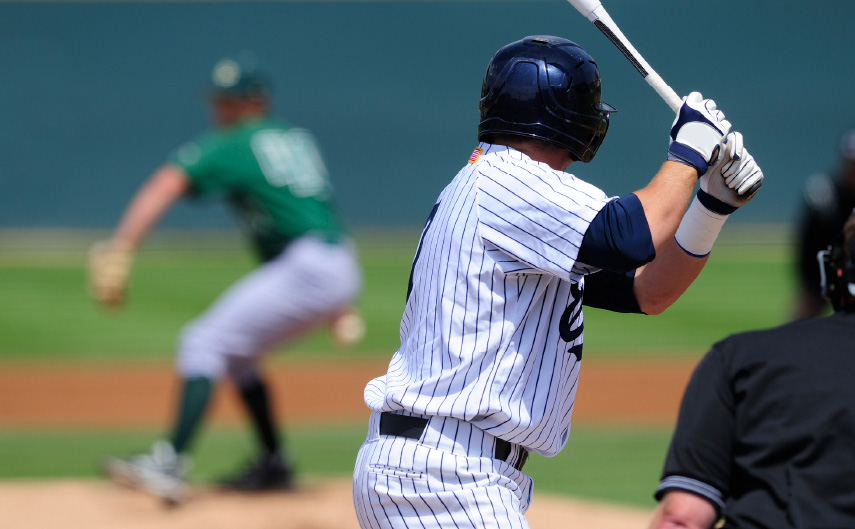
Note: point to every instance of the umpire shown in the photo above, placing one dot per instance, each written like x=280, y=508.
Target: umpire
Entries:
x=766, y=431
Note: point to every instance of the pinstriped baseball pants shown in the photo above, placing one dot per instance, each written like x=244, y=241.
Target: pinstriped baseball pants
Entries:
x=304, y=286
x=446, y=479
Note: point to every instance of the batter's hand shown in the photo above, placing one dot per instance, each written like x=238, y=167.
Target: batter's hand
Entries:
x=109, y=269
x=697, y=133
x=733, y=181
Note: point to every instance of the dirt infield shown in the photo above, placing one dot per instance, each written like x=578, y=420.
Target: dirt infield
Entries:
x=75, y=396
x=327, y=505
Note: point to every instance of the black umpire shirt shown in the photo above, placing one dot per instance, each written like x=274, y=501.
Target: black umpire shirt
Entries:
x=766, y=430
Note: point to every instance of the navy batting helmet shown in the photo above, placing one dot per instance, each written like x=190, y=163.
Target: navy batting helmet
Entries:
x=547, y=88
x=239, y=77
x=837, y=267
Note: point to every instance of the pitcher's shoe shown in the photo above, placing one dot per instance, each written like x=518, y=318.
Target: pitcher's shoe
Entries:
x=161, y=472
x=267, y=473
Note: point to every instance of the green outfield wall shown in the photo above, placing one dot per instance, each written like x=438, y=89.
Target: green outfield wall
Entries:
x=96, y=94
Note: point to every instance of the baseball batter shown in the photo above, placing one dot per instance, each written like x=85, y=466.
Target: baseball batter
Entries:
x=272, y=175
x=492, y=331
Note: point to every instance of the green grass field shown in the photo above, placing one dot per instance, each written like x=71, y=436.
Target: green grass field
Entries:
x=46, y=316
x=46, y=313
x=612, y=464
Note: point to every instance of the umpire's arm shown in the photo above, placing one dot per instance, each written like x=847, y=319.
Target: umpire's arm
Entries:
x=683, y=510
x=696, y=476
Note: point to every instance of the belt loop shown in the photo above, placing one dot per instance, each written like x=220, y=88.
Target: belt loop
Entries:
x=503, y=452
x=521, y=459
x=503, y=449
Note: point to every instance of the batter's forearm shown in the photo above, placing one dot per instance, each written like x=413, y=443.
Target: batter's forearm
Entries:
x=661, y=282
x=665, y=199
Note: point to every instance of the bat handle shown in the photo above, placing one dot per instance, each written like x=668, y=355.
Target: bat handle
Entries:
x=665, y=92
x=601, y=19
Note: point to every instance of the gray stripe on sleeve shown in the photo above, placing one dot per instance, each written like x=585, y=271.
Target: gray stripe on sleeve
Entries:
x=708, y=492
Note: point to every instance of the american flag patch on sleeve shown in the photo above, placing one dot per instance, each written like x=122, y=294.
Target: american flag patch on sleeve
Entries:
x=476, y=154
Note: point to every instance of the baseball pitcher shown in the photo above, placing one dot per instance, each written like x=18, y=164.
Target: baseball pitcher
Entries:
x=273, y=176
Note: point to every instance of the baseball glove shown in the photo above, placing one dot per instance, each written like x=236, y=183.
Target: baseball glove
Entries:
x=109, y=269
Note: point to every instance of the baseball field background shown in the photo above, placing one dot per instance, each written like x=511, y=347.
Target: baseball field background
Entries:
x=77, y=383
x=96, y=94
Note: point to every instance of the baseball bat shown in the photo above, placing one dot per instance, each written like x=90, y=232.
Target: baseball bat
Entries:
x=594, y=11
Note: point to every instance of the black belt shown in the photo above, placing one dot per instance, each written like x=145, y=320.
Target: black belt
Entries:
x=413, y=427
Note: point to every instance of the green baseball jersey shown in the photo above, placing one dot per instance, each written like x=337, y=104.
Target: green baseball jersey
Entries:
x=273, y=176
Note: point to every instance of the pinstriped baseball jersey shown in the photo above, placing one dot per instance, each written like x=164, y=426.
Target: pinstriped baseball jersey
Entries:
x=492, y=329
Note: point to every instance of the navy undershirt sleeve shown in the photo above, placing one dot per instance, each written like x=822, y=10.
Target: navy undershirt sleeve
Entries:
x=618, y=239
x=611, y=291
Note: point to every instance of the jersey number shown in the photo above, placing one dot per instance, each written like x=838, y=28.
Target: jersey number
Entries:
x=290, y=158
x=419, y=249
x=571, y=314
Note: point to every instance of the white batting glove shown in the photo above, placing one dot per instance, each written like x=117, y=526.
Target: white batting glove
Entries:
x=733, y=181
x=697, y=133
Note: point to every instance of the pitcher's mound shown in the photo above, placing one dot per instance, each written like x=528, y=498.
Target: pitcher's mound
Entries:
x=318, y=505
